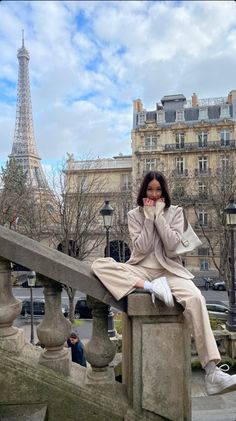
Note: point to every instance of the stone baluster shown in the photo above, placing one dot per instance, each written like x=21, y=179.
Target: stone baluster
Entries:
x=100, y=350
x=54, y=330
x=11, y=338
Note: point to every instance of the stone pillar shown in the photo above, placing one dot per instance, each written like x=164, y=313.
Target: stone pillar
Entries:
x=231, y=344
x=11, y=338
x=156, y=360
x=99, y=351
x=54, y=330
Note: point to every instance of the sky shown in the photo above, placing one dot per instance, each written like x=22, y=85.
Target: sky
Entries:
x=90, y=59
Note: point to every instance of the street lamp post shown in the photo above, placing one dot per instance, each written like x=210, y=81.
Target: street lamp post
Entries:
x=31, y=283
x=107, y=214
x=230, y=212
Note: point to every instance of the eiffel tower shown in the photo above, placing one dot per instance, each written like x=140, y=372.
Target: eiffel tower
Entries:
x=24, y=149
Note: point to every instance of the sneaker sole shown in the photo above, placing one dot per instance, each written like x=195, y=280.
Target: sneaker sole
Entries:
x=220, y=391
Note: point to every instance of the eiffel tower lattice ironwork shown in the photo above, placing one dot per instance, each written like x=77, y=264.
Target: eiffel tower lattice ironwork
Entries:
x=24, y=149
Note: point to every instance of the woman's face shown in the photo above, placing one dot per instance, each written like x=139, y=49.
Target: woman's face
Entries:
x=154, y=191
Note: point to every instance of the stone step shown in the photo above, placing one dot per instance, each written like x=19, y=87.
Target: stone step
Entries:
x=216, y=415
x=33, y=412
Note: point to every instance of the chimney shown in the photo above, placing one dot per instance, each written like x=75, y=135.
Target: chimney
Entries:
x=138, y=105
x=229, y=98
x=194, y=100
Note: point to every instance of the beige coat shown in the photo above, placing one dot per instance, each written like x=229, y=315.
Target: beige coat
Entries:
x=162, y=233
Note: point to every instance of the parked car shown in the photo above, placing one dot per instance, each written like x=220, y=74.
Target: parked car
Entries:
x=219, y=286
x=82, y=311
x=38, y=308
x=218, y=311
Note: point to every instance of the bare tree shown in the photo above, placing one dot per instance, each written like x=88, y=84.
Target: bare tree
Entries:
x=77, y=230
x=14, y=191
x=208, y=196
x=121, y=243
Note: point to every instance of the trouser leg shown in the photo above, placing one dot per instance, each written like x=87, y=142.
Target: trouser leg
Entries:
x=120, y=278
x=190, y=297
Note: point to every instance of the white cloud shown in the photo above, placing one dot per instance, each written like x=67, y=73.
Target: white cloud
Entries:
x=89, y=60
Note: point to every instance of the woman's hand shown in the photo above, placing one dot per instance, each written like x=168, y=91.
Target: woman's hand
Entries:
x=148, y=202
x=160, y=204
x=149, y=208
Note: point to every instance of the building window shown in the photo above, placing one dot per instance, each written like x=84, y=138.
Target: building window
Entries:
x=179, y=140
x=178, y=192
x=202, y=139
x=125, y=182
x=225, y=136
x=141, y=119
x=203, y=218
x=204, y=264
x=160, y=117
x=202, y=164
x=151, y=142
x=180, y=165
x=126, y=208
x=224, y=163
x=84, y=184
x=202, y=189
x=203, y=251
x=203, y=113
x=224, y=111
x=150, y=164
x=180, y=115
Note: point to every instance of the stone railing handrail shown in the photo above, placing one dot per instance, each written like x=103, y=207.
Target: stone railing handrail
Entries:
x=54, y=265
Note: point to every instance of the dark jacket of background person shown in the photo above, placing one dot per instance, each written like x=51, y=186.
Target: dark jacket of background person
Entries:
x=77, y=350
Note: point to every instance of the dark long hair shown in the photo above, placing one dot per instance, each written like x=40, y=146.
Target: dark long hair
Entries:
x=154, y=175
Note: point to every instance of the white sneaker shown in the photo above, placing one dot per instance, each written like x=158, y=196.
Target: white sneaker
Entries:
x=161, y=290
x=220, y=382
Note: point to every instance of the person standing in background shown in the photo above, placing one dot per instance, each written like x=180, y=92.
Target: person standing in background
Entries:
x=77, y=349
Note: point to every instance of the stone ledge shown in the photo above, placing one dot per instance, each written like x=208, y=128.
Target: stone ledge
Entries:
x=54, y=265
x=140, y=304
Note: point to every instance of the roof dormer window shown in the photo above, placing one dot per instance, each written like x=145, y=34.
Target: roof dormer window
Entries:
x=224, y=111
x=203, y=113
x=160, y=116
x=141, y=119
x=180, y=115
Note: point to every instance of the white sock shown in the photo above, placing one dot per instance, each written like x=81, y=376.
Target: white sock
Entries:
x=210, y=367
x=147, y=285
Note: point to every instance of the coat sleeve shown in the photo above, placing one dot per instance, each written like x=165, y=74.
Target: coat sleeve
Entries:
x=141, y=234
x=171, y=234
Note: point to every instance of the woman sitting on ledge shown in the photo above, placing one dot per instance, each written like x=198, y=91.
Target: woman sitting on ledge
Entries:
x=155, y=227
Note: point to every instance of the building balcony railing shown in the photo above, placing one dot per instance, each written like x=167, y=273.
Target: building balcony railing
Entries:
x=147, y=148
x=202, y=172
x=180, y=173
x=204, y=225
x=126, y=188
x=192, y=146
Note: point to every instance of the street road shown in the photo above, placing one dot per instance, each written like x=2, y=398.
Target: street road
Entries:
x=84, y=327
x=23, y=293
x=212, y=295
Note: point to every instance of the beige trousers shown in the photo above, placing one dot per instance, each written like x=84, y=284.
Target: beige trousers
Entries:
x=120, y=279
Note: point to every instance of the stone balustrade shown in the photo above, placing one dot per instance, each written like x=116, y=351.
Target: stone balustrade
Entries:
x=156, y=357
